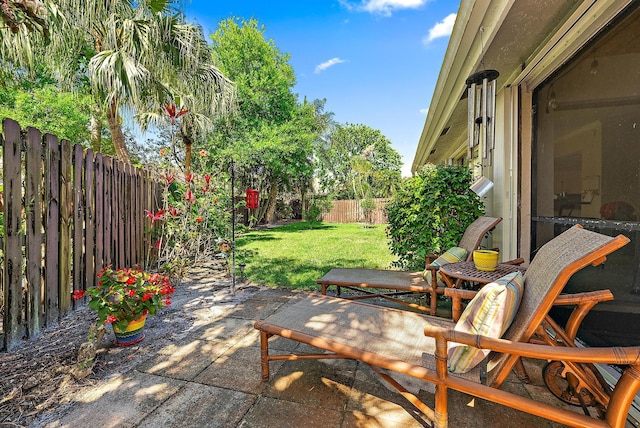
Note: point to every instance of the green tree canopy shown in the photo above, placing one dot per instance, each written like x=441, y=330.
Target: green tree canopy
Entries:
x=270, y=137
x=355, y=157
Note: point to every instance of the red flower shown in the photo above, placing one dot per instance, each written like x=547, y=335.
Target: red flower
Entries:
x=148, y=295
x=110, y=319
x=131, y=280
x=174, y=211
x=171, y=112
x=188, y=178
x=156, y=216
x=157, y=244
x=78, y=294
x=207, y=179
x=189, y=196
x=169, y=178
x=132, y=292
x=198, y=219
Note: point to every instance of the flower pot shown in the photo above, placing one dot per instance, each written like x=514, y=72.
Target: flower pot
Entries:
x=132, y=334
x=485, y=260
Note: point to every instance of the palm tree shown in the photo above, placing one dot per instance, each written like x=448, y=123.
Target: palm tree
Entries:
x=196, y=93
x=131, y=51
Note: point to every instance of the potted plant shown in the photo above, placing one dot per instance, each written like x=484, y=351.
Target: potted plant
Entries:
x=124, y=298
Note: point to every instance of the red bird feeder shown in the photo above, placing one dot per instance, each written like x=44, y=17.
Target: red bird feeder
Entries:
x=253, y=198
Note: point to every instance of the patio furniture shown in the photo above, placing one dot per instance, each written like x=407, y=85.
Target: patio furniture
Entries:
x=401, y=343
x=453, y=273
x=403, y=282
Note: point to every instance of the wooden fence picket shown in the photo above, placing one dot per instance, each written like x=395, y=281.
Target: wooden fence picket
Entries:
x=14, y=326
x=52, y=223
x=34, y=312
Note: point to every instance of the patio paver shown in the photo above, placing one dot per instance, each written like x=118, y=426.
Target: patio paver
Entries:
x=211, y=377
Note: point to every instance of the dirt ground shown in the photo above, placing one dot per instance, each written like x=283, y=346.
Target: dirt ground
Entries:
x=36, y=377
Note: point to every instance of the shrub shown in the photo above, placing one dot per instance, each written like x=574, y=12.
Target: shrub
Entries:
x=368, y=206
x=430, y=213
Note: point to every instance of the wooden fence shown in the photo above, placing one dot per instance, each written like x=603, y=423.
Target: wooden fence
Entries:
x=68, y=212
x=349, y=211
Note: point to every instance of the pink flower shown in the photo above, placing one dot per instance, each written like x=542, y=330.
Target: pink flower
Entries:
x=189, y=196
x=203, y=153
x=169, y=178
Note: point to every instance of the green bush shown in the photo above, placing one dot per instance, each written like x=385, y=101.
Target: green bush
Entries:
x=430, y=213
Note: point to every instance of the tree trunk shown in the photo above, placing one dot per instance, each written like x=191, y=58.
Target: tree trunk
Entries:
x=117, y=136
x=96, y=133
x=187, y=153
x=270, y=215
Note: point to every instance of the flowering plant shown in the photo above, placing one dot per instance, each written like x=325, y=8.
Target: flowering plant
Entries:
x=125, y=295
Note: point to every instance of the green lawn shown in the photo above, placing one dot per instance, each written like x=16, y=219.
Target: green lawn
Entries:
x=296, y=256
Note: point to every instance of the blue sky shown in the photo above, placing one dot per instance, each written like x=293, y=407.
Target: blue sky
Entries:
x=376, y=62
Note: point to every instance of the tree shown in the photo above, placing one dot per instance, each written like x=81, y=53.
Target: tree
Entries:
x=50, y=110
x=270, y=137
x=357, y=161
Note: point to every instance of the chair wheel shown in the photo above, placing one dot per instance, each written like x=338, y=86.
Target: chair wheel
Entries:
x=559, y=386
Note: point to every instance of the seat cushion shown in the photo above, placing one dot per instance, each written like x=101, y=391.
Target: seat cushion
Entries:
x=489, y=313
x=452, y=255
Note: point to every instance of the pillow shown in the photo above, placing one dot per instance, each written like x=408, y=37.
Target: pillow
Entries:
x=489, y=313
x=452, y=255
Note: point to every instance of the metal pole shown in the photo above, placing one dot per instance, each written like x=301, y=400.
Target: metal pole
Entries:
x=233, y=231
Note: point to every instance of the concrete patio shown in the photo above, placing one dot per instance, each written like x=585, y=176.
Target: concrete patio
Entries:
x=211, y=378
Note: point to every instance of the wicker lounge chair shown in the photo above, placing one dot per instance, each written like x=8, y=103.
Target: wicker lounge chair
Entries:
x=404, y=282
x=406, y=343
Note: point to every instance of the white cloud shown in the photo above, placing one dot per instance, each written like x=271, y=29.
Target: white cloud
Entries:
x=383, y=7
x=441, y=29
x=333, y=61
x=424, y=111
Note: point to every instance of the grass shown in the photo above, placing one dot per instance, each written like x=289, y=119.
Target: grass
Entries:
x=295, y=255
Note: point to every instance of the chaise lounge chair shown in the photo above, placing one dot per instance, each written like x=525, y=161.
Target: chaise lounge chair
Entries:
x=404, y=282
x=406, y=343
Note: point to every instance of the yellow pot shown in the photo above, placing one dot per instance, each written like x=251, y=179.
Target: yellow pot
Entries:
x=485, y=260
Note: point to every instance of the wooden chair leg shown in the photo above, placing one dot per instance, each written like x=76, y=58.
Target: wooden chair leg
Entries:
x=264, y=355
x=521, y=372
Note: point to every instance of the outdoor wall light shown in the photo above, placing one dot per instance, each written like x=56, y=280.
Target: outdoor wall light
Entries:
x=482, y=186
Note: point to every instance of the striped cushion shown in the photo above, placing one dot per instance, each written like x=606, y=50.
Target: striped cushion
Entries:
x=489, y=313
x=452, y=255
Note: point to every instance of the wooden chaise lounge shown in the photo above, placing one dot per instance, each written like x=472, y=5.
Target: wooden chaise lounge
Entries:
x=405, y=282
x=394, y=341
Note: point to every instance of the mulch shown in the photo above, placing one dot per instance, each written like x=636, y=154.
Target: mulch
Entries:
x=36, y=377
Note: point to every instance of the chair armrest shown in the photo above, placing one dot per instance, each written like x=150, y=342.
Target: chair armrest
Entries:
x=429, y=258
x=457, y=295
x=583, y=303
x=516, y=262
x=599, y=355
